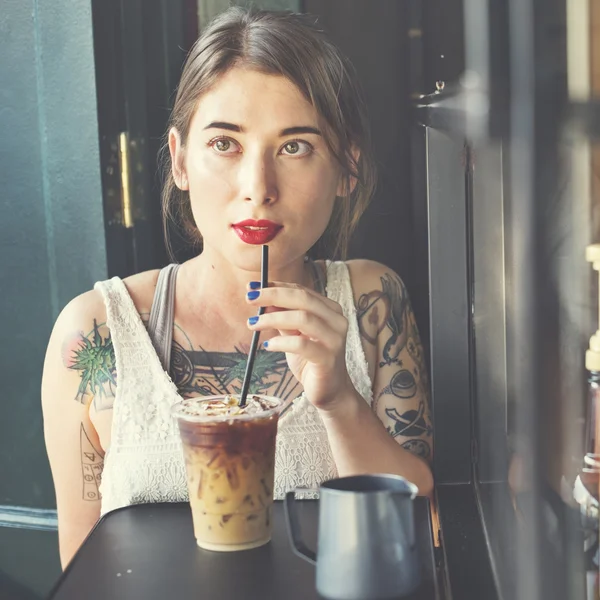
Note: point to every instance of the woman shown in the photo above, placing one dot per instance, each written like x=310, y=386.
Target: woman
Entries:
x=267, y=143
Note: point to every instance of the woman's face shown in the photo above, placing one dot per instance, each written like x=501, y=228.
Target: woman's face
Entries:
x=257, y=169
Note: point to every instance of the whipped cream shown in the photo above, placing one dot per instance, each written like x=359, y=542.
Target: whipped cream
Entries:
x=225, y=407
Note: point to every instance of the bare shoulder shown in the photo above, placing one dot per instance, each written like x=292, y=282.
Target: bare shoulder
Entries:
x=80, y=311
x=80, y=359
x=141, y=288
x=380, y=297
x=89, y=306
x=79, y=339
x=371, y=279
x=369, y=275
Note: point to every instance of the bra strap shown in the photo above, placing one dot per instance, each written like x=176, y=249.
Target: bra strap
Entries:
x=319, y=278
x=160, y=324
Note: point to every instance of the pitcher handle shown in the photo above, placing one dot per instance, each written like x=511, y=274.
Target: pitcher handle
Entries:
x=293, y=527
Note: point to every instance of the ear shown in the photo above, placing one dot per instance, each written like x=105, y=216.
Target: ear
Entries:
x=177, y=159
x=342, y=190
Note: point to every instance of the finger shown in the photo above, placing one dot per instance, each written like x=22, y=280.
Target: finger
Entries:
x=272, y=309
x=296, y=298
x=304, y=323
x=285, y=284
x=296, y=344
x=255, y=285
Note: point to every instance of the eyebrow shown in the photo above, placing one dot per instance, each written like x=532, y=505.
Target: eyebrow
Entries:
x=302, y=129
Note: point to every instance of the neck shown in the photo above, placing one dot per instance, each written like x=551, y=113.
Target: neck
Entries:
x=209, y=277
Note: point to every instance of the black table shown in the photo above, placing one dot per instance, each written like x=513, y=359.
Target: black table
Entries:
x=148, y=552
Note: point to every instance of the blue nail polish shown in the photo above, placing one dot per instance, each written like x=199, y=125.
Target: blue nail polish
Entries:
x=253, y=295
x=255, y=285
x=253, y=320
x=266, y=344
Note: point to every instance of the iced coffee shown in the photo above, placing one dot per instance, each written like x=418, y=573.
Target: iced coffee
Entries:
x=229, y=454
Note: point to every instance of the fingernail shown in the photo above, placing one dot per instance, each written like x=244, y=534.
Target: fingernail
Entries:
x=265, y=344
x=253, y=320
x=253, y=295
x=255, y=285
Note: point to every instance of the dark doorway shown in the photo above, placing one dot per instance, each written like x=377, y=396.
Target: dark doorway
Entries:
x=139, y=49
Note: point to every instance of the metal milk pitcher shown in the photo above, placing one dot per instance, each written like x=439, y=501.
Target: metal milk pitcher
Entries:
x=366, y=539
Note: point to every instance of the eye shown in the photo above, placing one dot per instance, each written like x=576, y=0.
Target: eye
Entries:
x=297, y=148
x=223, y=145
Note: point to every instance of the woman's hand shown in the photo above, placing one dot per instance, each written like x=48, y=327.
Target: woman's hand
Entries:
x=312, y=333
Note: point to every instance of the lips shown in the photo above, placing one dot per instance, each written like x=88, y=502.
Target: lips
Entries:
x=256, y=232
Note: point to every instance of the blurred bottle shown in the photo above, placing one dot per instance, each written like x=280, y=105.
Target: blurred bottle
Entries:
x=590, y=474
x=587, y=486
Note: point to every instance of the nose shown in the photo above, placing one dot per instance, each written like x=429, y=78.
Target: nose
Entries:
x=258, y=179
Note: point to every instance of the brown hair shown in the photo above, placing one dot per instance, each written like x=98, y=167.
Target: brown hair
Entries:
x=291, y=45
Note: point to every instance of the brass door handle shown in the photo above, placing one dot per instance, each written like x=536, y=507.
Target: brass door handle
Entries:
x=125, y=168
x=125, y=193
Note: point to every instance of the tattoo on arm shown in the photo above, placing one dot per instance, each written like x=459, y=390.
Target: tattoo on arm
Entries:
x=418, y=447
x=94, y=358
x=402, y=385
x=411, y=423
x=92, y=464
x=386, y=314
x=386, y=308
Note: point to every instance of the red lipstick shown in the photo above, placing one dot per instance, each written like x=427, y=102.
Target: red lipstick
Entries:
x=256, y=232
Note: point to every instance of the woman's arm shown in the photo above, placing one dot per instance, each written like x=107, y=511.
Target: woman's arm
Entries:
x=360, y=444
x=396, y=434
x=68, y=385
x=312, y=332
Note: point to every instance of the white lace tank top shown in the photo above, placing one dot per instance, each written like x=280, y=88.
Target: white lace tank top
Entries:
x=145, y=460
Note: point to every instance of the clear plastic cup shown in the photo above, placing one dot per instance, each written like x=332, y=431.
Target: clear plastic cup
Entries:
x=230, y=463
